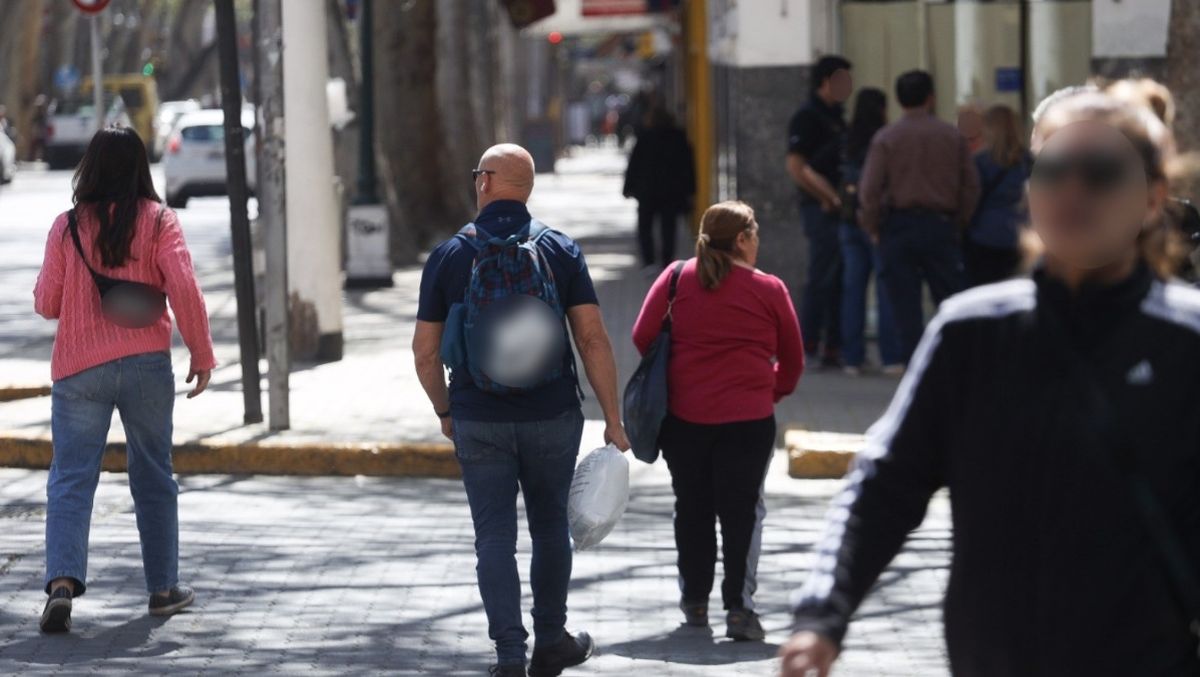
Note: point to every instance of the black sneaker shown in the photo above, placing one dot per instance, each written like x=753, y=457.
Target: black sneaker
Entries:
x=510, y=670
x=173, y=601
x=741, y=625
x=695, y=614
x=56, y=617
x=570, y=651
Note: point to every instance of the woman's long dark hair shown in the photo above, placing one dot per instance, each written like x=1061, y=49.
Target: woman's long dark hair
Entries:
x=112, y=178
x=870, y=115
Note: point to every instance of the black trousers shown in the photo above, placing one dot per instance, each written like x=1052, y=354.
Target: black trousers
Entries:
x=668, y=221
x=717, y=472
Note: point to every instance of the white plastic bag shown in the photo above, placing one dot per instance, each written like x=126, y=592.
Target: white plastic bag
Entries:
x=599, y=494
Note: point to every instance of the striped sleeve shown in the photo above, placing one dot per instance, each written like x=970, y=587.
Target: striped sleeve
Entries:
x=903, y=463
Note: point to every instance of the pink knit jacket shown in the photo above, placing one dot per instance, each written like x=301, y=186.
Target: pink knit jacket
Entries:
x=65, y=291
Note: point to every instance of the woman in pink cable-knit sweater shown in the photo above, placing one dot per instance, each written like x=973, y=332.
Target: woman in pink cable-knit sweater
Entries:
x=97, y=365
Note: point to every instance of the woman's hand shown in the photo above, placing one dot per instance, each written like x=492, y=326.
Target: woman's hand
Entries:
x=202, y=377
x=805, y=654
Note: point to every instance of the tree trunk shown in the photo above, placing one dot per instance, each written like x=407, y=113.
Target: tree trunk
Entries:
x=1183, y=77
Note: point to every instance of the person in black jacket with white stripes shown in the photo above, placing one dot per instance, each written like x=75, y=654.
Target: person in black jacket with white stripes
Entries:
x=1062, y=412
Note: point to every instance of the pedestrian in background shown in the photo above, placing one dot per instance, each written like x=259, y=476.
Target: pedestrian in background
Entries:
x=126, y=234
x=662, y=177
x=919, y=189
x=971, y=125
x=510, y=439
x=736, y=350
x=860, y=255
x=991, y=249
x=1058, y=411
x=816, y=139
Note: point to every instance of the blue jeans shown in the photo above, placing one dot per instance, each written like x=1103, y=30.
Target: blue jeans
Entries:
x=142, y=389
x=821, y=303
x=539, y=457
x=915, y=246
x=860, y=257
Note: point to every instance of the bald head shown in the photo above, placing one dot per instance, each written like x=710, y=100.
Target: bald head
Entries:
x=509, y=174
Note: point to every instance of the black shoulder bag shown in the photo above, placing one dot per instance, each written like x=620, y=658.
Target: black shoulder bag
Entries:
x=1119, y=455
x=127, y=304
x=645, y=400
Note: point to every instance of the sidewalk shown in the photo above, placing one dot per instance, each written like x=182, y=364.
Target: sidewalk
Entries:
x=366, y=576
x=372, y=396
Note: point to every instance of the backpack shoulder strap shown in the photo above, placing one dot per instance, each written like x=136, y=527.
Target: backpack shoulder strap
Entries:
x=469, y=234
x=537, y=229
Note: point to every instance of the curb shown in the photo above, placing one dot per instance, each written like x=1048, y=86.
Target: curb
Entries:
x=820, y=455
x=10, y=393
x=428, y=459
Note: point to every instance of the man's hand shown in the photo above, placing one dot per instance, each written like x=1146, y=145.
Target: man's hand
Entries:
x=202, y=377
x=448, y=428
x=805, y=654
x=614, y=434
x=831, y=204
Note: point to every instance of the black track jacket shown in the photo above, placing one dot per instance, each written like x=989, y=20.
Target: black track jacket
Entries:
x=1053, y=570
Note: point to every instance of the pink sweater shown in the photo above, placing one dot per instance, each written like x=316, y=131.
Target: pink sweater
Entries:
x=65, y=292
x=735, y=350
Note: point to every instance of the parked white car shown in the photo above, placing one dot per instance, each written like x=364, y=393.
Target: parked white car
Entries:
x=168, y=114
x=71, y=126
x=194, y=161
x=8, y=159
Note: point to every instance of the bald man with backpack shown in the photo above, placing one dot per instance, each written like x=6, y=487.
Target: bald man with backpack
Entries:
x=495, y=303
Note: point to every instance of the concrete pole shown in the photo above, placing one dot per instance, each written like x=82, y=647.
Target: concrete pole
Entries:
x=271, y=208
x=314, y=221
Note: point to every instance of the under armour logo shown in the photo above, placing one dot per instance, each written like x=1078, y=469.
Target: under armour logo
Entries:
x=1141, y=374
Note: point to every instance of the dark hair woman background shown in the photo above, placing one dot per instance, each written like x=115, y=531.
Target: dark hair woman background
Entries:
x=1061, y=414
x=991, y=249
x=97, y=365
x=661, y=176
x=735, y=351
x=860, y=256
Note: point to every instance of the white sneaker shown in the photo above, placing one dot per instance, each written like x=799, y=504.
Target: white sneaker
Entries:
x=894, y=370
x=853, y=372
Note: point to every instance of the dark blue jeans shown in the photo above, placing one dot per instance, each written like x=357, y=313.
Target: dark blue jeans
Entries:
x=860, y=257
x=820, y=307
x=539, y=458
x=142, y=389
x=916, y=246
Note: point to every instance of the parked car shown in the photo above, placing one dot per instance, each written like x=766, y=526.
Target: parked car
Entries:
x=8, y=159
x=194, y=162
x=169, y=113
x=71, y=125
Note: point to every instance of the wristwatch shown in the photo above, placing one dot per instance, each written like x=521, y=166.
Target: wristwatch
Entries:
x=443, y=414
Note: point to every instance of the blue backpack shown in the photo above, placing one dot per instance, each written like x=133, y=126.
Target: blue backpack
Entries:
x=509, y=332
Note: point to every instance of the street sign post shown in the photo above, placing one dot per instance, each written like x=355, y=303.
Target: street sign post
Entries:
x=93, y=8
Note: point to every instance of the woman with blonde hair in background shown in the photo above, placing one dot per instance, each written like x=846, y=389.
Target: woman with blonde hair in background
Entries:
x=991, y=248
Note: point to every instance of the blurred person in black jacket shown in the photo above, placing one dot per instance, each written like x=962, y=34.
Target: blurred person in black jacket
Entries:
x=661, y=176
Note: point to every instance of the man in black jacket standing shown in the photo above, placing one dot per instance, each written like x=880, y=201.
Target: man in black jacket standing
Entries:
x=816, y=138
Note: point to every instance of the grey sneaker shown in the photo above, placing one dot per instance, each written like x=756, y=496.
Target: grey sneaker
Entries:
x=56, y=617
x=695, y=614
x=742, y=625
x=172, y=602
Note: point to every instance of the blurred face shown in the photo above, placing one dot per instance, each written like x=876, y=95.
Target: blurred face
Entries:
x=746, y=245
x=840, y=85
x=1089, y=196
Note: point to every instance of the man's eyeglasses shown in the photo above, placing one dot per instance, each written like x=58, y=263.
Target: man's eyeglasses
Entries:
x=476, y=173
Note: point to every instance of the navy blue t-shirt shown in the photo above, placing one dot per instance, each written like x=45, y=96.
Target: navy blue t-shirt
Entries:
x=444, y=283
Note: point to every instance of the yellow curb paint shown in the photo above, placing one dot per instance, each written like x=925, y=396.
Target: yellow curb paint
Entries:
x=820, y=455
x=383, y=460
x=11, y=393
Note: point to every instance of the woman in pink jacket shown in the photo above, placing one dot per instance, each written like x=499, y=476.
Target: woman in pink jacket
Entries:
x=108, y=354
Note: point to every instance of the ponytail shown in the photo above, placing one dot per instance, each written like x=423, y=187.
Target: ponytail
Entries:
x=719, y=229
